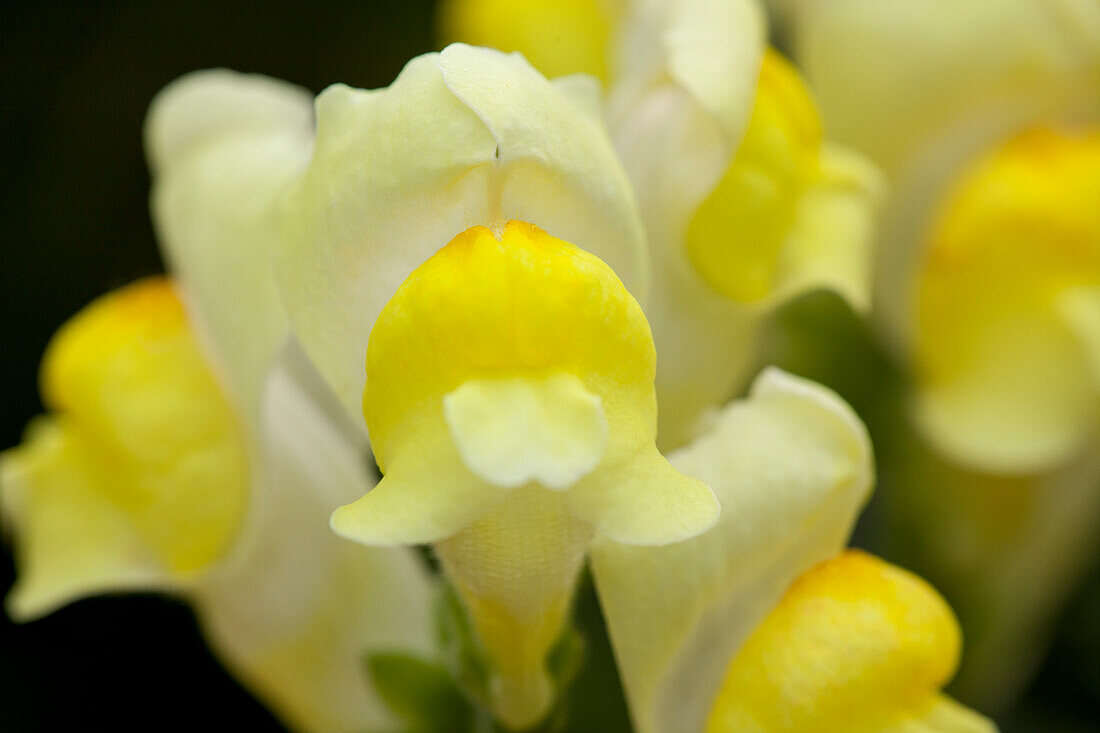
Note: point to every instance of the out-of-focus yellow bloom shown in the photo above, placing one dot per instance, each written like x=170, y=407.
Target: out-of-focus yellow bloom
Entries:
x=744, y=205
x=701, y=629
x=510, y=404
x=558, y=36
x=855, y=645
x=190, y=449
x=1004, y=349
x=143, y=477
x=983, y=114
x=791, y=467
x=140, y=475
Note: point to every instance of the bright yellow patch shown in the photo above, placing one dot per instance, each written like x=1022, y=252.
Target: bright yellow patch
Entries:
x=998, y=359
x=524, y=306
x=558, y=37
x=855, y=645
x=736, y=237
x=140, y=406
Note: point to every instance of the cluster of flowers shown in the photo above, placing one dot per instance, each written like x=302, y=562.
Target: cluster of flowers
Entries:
x=558, y=288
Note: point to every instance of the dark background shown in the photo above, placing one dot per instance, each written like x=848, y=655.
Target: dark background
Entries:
x=75, y=82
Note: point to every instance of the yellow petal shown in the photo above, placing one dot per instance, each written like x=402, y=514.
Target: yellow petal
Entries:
x=855, y=645
x=143, y=439
x=297, y=608
x=525, y=307
x=1004, y=382
x=223, y=148
x=791, y=466
x=462, y=138
x=1009, y=549
x=1081, y=309
x=69, y=541
x=557, y=36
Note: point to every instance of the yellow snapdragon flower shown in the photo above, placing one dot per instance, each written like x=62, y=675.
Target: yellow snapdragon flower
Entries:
x=745, y=205
x=463, y=356
x=186, y=449
x=855, y=645
x=702, y=630
x=984, y=116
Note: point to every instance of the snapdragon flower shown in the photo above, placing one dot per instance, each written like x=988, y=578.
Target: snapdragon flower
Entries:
x=984, y=115
x=185, y=450
x=745, y=204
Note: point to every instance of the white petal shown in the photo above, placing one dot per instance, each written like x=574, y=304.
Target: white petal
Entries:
x=223, y=148
x=462, y=138
x=511, y=432
x=709, y=48
x=298, y=608
x=791, y=466
x=675, y=153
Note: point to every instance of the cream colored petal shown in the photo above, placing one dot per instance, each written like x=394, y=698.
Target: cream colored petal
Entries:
x=223, y=148
x=419, y=501
x=462, y=138
x=514, y=431
x=891, y=76
x=299, y=607
x=645, y=501
x=585, y=92
x=1028, y=400
x=791, y=466
x=704, y=341
x=997, y=66
x=68, y=541
x=709, y=48
x=829, y=245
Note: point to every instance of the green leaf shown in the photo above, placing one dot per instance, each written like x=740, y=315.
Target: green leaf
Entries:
x=421, y=693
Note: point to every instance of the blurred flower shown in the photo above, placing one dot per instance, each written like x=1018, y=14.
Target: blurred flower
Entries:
x=162, y=468
x=984, y=116
x=702, y=630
